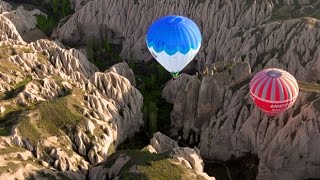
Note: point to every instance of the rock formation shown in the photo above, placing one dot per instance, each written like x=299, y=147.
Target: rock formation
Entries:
x=225, y=123
x=78, y=4
x=65, y=115
x=252, y=32
x=127, y=19
x=23, y=20
x=212, y=110
x=124, y=164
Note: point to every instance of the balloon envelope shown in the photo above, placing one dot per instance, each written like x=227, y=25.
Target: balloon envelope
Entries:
x=273, y=90
x=173, y=41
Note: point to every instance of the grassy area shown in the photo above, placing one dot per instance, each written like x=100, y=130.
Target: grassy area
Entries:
x=41, y=57
x=10, y=167
x=309, y=87
x=13, y=149
x=16, y=164
x=282, y=12
x=17, y=88
x=9, y=50
x=315, y=14
x=52, y=118
x=8, y=119
x=6, y=51
x=150, y=166
x=12, y=113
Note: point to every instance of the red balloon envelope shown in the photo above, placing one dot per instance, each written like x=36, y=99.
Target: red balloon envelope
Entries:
x=273, y=90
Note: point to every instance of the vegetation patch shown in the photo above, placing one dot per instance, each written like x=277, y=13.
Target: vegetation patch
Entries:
x=17, y=88
x=46, y=24
x=51, y=118
x=151, y=78
x=9, y=50
x=56, y=10
x=9, y=168
x=282, y=12
x=102, y=53
x=13, y=149
x=8, y=120
x=41, y=57
x=149, y=166
x=309, y=87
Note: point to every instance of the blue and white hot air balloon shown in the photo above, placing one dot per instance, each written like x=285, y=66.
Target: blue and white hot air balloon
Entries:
x=174, y=41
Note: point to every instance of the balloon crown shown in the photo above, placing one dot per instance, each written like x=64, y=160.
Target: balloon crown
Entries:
x=274, y=73
x=172, y=34
x=175, y=20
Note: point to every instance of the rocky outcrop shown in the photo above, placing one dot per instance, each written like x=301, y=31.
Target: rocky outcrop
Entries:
x=186, y=156
x=222, y=31
x=78, y=4
x=8, y=30
x=250, y=30
x=100, y=172
x=126, y=100
x=123, y=70
x=122, y=164
x=23, y=20
x=19, y=163
x=94, y=111
x=162, y=143
x=184, y=108
x=4, y=7
x=227, y=123
x=197, y=101
x=277, y=142
x=130, y=20
x=233, y=126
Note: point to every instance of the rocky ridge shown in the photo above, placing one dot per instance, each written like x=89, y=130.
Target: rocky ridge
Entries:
x=124, y=164
x=222, y=24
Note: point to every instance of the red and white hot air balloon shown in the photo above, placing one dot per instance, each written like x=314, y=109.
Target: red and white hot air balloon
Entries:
x=273, y=90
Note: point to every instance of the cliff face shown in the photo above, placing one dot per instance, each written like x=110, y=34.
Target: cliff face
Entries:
x=221, y=117
x=239, y=39
x=57, y=111
x=226, y=26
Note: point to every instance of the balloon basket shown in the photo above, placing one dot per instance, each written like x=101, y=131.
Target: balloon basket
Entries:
x=175, y=75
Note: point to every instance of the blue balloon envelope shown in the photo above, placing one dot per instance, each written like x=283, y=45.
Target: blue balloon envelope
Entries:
x=174, y=41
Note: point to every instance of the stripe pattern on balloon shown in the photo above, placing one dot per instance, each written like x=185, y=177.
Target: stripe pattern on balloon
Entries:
x=274, y=90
